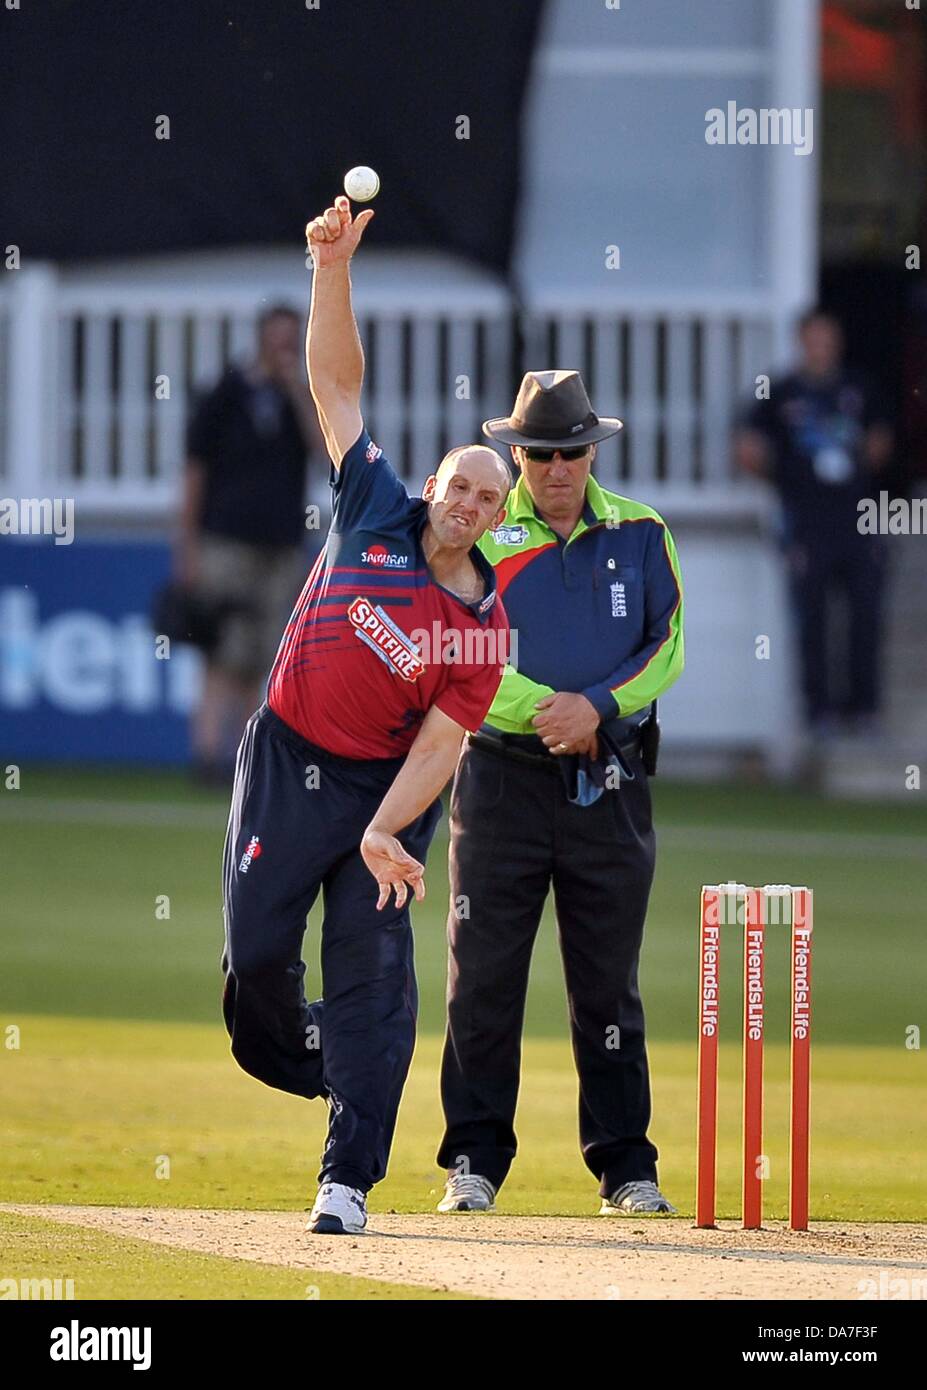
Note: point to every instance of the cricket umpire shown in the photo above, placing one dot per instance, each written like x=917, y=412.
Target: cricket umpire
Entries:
x=338, y=773
x=553, y=790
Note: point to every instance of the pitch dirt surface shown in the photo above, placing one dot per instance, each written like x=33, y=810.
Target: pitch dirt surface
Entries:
x=528, y=1257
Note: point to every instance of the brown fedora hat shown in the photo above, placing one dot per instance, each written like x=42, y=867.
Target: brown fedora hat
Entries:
x=552, y=411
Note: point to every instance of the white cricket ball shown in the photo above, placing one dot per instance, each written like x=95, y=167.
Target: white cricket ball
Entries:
x=362, y=183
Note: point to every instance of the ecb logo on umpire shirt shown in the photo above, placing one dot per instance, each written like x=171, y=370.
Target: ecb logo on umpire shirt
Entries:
x=619, y=601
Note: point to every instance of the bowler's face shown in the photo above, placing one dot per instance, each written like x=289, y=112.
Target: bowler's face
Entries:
x=467, y=497
x=558, y=488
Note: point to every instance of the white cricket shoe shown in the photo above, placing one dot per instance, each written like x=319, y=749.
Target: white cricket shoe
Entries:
x=635, y=1199
x=338, y=1211
x=468, y=1192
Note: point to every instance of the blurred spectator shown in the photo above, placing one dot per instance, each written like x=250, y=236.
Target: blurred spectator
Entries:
x=822, y=441
x=914, y=377
x=243, y=525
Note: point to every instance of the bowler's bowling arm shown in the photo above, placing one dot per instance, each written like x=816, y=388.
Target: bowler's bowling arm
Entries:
x=335, y=359
x=428, y=767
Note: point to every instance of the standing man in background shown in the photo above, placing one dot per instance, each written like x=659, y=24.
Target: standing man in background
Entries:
x=822, y=442
x=553, y=791
x=242, y=537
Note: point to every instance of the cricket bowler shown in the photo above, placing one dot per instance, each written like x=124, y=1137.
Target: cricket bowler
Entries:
x=339, y=772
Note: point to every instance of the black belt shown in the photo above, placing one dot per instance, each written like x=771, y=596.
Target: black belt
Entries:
x=513, y=746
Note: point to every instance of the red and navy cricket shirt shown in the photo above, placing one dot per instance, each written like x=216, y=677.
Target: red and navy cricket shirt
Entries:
x=374, y=641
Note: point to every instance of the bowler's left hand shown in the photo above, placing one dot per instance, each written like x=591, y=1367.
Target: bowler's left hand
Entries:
x=392, y=867
x=566, y=723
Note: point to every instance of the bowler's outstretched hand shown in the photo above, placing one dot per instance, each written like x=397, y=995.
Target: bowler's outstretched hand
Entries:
x=392, y=868
x=335, y=235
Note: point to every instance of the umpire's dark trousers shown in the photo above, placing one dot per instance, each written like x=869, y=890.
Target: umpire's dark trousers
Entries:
x=298, y=815
x=513, y=834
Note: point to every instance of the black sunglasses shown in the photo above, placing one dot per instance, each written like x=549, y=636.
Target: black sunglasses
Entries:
x=534, y=455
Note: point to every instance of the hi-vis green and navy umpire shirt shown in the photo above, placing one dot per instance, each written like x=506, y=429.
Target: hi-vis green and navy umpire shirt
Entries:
x=598, y=614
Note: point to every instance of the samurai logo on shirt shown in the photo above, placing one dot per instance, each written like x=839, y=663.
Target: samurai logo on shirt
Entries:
x=376, y=628
x=379, y=555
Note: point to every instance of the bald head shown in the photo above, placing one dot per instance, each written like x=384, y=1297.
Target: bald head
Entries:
x=484, y=460
x=467, y=494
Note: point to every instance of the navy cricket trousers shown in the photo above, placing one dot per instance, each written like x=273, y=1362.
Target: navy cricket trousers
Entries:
x=514, y=834
x=297, y=818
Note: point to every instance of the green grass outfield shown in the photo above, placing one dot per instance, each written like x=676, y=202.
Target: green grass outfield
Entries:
x=123, y=1057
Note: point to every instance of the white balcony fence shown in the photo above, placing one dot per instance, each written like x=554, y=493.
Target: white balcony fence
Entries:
x=97, y=379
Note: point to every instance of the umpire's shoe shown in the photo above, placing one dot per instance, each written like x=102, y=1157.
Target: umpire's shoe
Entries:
x=338, y=1211
x=467, y=1192
x=635, y=1199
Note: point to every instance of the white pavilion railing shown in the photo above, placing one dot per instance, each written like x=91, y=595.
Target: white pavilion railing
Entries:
x=96, y=382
